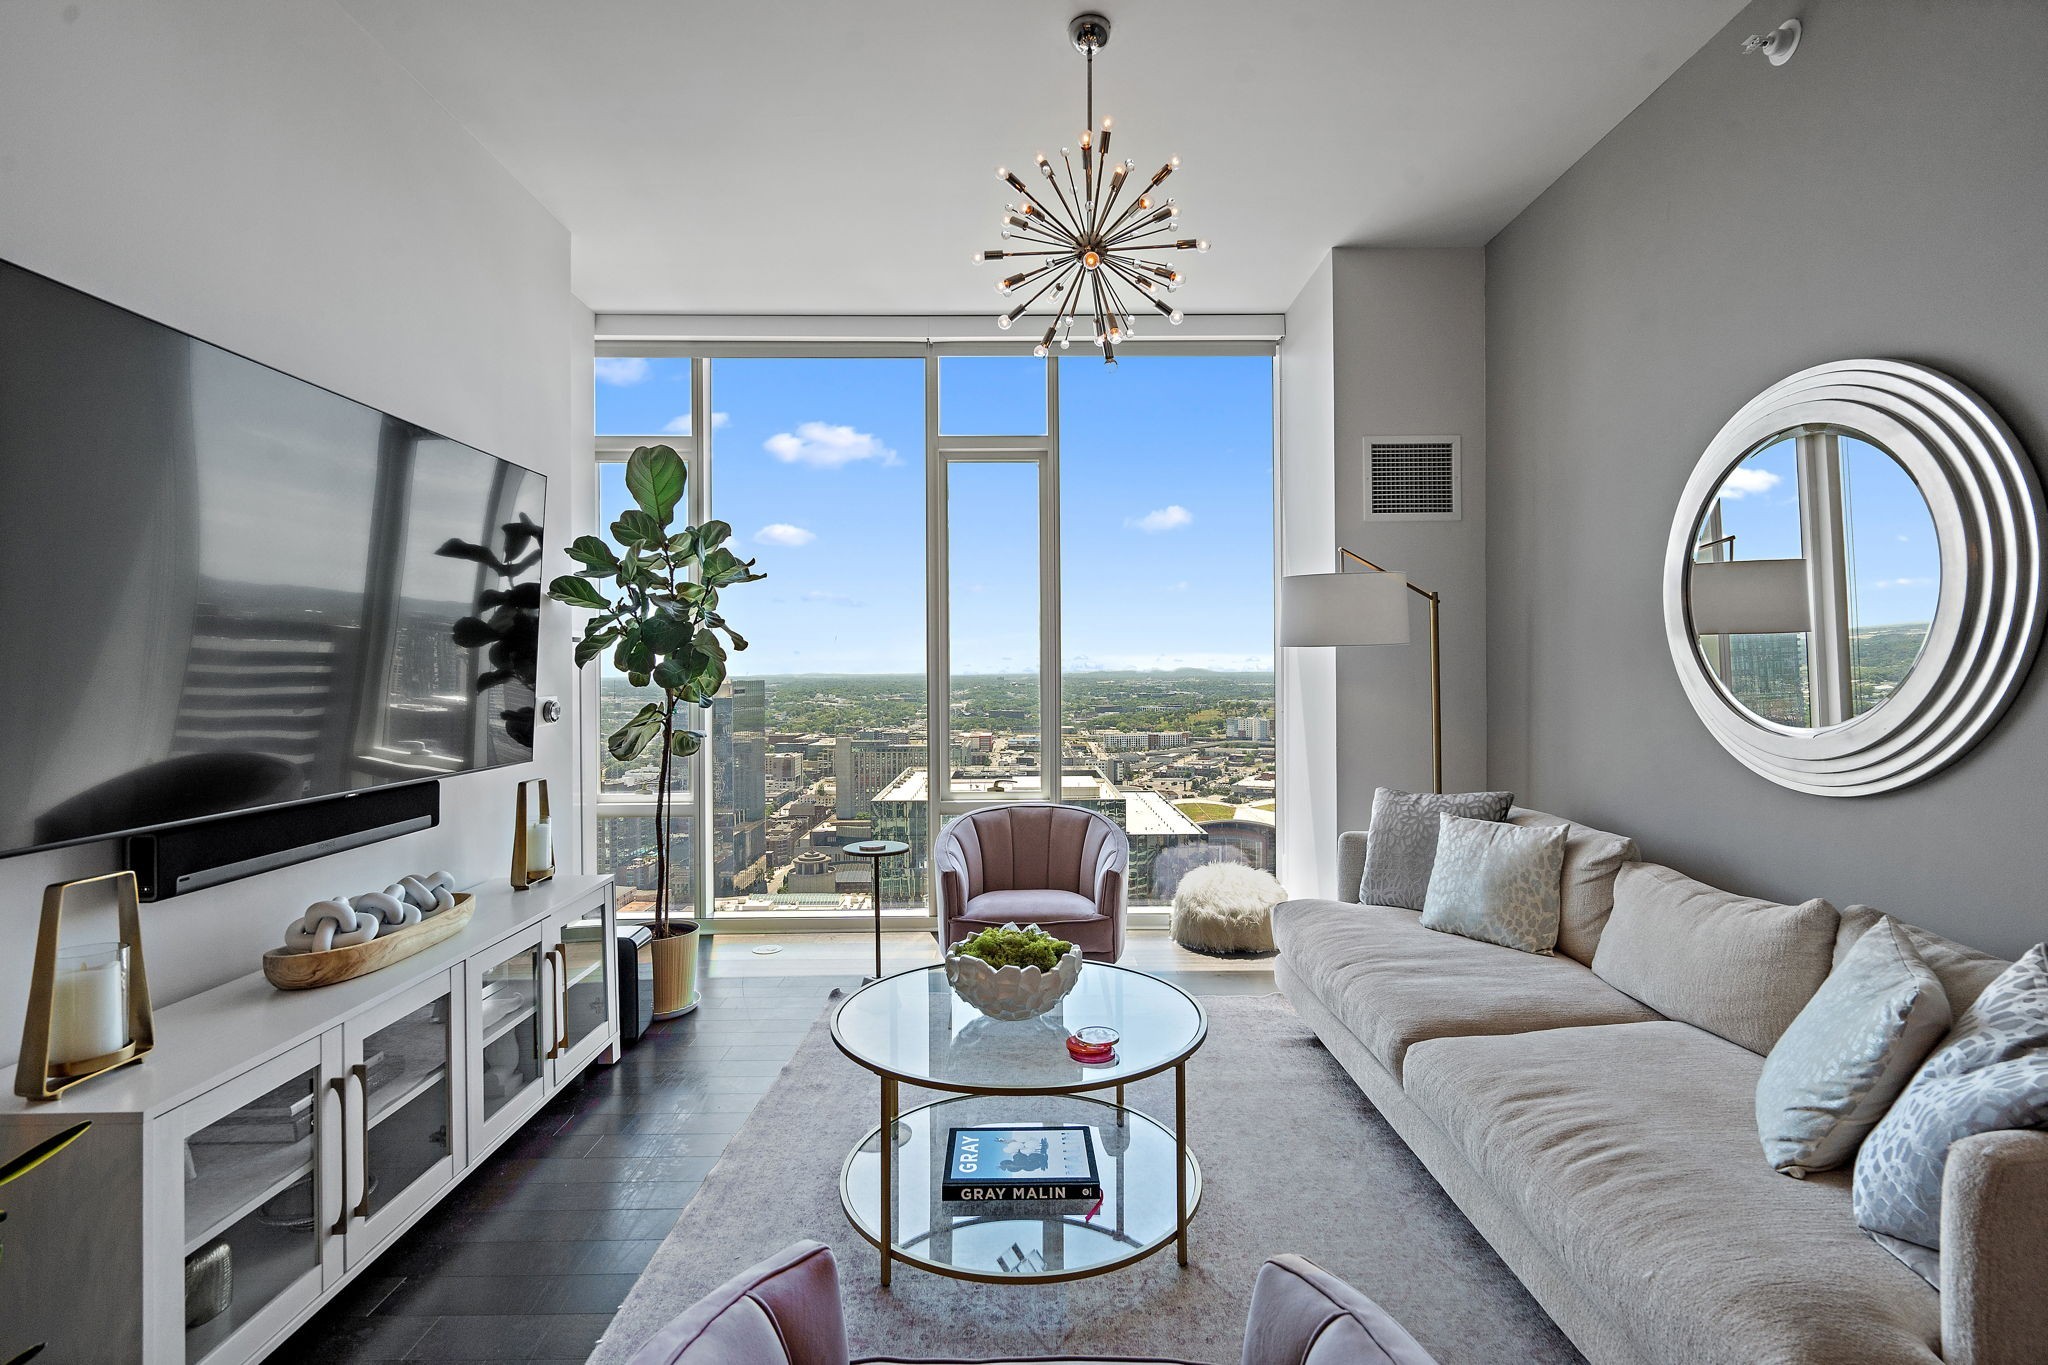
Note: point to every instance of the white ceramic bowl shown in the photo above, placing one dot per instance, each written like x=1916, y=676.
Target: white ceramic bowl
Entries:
x=1011, y=993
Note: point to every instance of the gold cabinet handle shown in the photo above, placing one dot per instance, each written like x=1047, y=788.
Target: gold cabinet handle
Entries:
x=361, y=1072
x=538, y=1018
x=340, y=1087
x=562, y=990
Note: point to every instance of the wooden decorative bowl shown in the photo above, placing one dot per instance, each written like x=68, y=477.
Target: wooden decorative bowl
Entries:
x=289, y=971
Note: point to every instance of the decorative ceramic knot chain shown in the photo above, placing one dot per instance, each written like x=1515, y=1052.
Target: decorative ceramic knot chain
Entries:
x=344, y=921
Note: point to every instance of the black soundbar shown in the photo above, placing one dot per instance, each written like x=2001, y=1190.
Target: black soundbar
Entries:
x=209, y=852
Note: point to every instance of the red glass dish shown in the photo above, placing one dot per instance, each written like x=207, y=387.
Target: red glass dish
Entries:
x=1093, y=1045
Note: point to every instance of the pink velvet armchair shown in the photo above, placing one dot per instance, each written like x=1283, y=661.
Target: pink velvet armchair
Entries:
x=785, y=1311
x=1059, y=867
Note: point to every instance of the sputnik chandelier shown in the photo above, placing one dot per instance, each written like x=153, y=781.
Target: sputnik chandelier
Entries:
x=1094, y=260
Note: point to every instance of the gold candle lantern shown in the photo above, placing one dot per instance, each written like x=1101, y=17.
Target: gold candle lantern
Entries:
x=88, y=1005
x=533, y=837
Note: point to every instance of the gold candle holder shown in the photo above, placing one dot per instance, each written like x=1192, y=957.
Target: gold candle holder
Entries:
x=525, y=830
x=37, y=1077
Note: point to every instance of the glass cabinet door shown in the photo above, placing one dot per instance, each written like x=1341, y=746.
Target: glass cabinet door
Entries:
x=405, y=1120
x=511, y=1035
x=256, y=1208
x=588, y=954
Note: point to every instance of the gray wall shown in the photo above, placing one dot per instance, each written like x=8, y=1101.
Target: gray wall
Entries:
x=1884, y=194
x=262, y=174
x=1380, y=342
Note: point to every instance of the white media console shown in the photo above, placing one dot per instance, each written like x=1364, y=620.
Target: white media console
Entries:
x=275, y=1142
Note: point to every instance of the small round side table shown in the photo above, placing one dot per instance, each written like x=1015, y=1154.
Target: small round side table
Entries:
x=874, y=850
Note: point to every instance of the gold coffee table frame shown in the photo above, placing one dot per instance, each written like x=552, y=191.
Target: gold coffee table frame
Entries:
x=1187, y=1171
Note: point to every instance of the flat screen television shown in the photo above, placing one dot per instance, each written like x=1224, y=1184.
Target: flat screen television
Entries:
x=224, y=589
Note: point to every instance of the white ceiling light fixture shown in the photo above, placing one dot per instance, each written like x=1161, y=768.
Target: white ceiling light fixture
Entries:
x=1094, y=260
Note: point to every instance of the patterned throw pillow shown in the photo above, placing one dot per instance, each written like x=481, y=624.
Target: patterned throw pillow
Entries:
x=1849, y=1053
x=1496, y=883
x=1400, y=849
x=1990, y=1074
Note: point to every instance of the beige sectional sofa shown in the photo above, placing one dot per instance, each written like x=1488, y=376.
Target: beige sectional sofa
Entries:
x=1610, y=1153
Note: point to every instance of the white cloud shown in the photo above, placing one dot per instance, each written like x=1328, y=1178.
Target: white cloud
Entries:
x=1904, y=583
x=824, y=445
x=1745, y=479
x=719, y=419
x=1181, y=586
x=620, y=370
x=1169, y=518
x=678, y=424
x=782, y=533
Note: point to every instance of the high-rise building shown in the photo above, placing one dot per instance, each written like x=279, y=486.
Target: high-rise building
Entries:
x=862, y=767
x=1257, y=728
x=739, y=784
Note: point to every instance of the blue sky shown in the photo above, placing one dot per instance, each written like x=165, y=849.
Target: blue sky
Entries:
x=819, y=466
x=1895, y=558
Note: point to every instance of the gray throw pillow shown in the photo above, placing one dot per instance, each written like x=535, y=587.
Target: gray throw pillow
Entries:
x=1400, y=851
x=1990, y=1074
x=1497, y=883
x=1838, y=1067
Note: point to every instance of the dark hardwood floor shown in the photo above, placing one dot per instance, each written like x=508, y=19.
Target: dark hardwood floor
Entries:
x=530, y=1256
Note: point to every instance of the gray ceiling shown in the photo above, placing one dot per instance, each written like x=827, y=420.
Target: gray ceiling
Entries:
x=837, y=156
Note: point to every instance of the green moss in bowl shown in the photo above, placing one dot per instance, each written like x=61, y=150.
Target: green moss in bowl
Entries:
x=1008, y=947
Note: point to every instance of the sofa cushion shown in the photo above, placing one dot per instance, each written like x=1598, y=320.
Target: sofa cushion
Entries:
x=1586, y=888
x=1733, y=965
x=1630, y=1152
x=1496, y=883
x=1394, y=983
x=1991, y=1073
x=1849, y=1054
x=1964, y=972
x=1401, y=848
x=1028, y=907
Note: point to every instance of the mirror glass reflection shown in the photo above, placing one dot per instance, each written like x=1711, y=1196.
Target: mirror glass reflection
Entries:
x=1814, y=578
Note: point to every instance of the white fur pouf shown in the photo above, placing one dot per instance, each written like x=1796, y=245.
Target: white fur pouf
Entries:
x=1226, y=908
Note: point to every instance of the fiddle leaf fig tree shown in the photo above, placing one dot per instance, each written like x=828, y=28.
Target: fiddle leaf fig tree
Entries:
x=658, y=616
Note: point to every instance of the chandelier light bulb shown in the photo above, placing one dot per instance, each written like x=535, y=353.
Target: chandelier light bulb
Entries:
x=1105, y=123
x=1003, y=321
x=1039, y=350
x=1090, y=260
x=1202, y=245
x=1175, y=317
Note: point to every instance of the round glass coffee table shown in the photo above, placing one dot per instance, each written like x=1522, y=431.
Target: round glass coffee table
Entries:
x=911, y=1029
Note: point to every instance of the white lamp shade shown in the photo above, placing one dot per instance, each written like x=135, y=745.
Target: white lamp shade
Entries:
x=1324, y=609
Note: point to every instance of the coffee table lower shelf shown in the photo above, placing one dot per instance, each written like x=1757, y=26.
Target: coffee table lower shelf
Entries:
x=1023, y=1243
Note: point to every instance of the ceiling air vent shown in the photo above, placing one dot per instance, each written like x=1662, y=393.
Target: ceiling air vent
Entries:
x=1411, y=478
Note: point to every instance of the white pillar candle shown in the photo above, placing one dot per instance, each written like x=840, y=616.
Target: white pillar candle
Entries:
x=540, y=847
x=89, y=1005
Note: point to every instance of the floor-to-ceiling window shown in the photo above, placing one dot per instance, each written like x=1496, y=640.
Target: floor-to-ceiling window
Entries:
x=1166, y=538
x=818, y=464
x=640, y=401
x=1071, y=562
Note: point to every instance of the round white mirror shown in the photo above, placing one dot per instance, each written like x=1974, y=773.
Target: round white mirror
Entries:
x=1815, y=572
x=1853, y=587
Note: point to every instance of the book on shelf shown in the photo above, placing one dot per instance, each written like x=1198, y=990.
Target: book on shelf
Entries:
x=1051, y=1162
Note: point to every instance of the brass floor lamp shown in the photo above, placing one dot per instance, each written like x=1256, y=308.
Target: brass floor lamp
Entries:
x=1324, y=610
